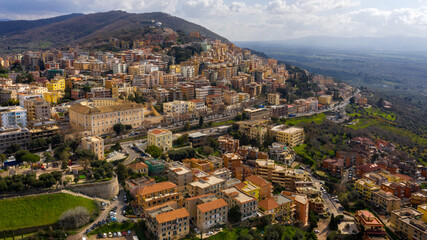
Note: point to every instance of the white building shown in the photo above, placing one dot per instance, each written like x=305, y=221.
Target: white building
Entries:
x=175, y=107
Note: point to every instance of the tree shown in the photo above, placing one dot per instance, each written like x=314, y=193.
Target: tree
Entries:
x=121, y=172
x=187, y=126
x=352, y=100
x=85, y=157
x=74, y=218
x=19, y=154
x=119, y=128
x=116, y=147
x=333, y=224
x=234, y=214
x=154, y=151
x=48, y=157
x=2, y=158
x=31, y=158
x=201, y=121
x=273, y=232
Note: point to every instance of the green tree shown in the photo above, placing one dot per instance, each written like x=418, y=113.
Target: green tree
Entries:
x=333, y=224
x=19, y=154
x=116, y=147
x=234, y=214
x=85, y=157
x=31, y=158
x=187, y=126
x=154, y=151
x=201, y=121
x=122, y=172
x=119, y=128
x=273, y=232
x=2, y=158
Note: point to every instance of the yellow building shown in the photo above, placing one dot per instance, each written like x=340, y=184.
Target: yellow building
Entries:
x=52, y=97
x=273, y=98
x=292, y=136
x=56, y=84
x=366, y=188
x=94, y=144
x=325, y=99
x=390, y=177
x=100, y=115
x=249, y=188
x=161, y=138
x=423, y=209
x=157, y=194
x=279, y=174
x=175, y=68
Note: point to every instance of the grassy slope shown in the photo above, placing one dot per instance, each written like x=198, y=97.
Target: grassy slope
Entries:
x=317, y=118
x=38, y=210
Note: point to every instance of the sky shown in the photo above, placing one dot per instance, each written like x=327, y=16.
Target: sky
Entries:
x=256, y=20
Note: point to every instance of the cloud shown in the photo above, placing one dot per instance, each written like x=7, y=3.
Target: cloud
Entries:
x=255, y=19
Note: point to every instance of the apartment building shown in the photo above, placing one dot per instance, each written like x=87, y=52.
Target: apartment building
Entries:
x=197, y=106
x=205, y=185
x=325, y=99
x=292, y=136
x=258, y=113
x=231, y=97
x=386, y=200
x=180, y=175
x=366, y=188
x=167, y=223
x=158, y=193
x=370, y=224
x=13, y=135
x=273, y=98
x=37, y=109
x=161, y=138
x=56, y=84
x=248, y=205
x=257, y=187
x=98, y=116
x=278, y=174
x=13, y=116
x=139, y=167
x=95, y=145
x=212, y=214
x=202, y=164
x=227, y=144
x=175, y=107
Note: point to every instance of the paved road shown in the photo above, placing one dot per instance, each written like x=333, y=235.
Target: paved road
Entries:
x=104, y=215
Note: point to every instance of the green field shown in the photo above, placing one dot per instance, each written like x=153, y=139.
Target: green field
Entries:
x=361, y=123
x=316, y=118
x=39, y=210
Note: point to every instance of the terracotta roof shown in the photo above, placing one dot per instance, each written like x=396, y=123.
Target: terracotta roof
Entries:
x=158, y=131
x=200, y=196
x=212, y=205
x=156, y=188
x=257, y=180
x=196, y=100
x=268, y=204
x=138, y=166
x=172, y=215
x=240, y=185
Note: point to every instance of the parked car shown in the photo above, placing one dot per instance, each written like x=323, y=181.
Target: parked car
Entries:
x=119, y=234
x=124, y=233
x=110, y=235
x=104, y=235
x=316, y=231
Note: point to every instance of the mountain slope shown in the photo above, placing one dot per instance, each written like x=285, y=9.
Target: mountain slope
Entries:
x=84, y=28
x=8, y=26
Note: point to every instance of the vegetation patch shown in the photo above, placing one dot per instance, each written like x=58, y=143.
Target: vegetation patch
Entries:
x=32, y=211
x=316, y=118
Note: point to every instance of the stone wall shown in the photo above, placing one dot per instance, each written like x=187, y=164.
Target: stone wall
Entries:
x=106, y=190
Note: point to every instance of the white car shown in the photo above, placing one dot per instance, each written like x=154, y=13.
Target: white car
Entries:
x=316, y=231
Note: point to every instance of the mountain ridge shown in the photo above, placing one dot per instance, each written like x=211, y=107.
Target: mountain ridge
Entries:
x=77, y=29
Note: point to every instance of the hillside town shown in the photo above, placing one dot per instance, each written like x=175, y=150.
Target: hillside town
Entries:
x=193, y=138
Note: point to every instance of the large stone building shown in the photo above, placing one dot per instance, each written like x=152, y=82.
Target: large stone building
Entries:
x=100, y=115
x=37, y=109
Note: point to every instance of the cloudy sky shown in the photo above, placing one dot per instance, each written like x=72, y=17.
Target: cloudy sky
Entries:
x=256, y=19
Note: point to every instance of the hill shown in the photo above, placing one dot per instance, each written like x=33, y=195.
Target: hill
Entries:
x=8, y=26
x=85, y=28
